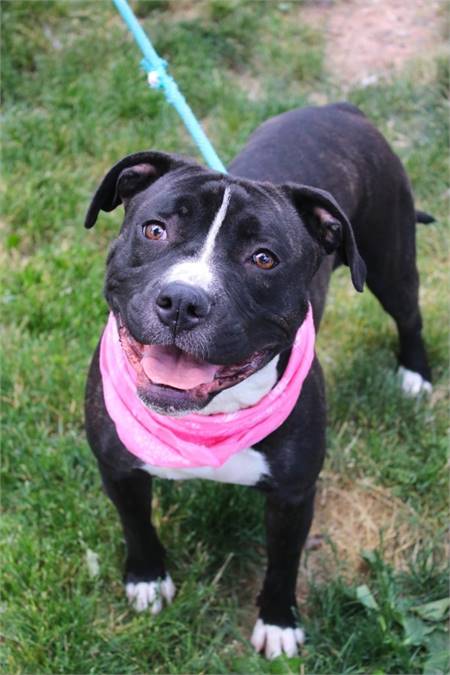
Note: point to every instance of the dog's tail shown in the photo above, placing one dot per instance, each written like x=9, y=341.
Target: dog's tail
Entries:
x=425, y=218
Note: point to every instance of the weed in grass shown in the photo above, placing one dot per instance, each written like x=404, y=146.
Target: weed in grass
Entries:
x=376, y=626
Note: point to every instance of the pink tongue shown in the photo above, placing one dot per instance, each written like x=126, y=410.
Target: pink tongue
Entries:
x=174, y=368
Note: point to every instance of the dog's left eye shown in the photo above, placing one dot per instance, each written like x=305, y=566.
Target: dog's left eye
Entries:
x=154, y=230
x=264, y=259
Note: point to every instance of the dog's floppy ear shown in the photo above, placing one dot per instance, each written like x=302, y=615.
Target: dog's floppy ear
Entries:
x=130, y=175
x=329, y=225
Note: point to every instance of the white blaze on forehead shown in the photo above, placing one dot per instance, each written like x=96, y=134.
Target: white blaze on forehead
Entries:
x=198, y=271
x=208, y=246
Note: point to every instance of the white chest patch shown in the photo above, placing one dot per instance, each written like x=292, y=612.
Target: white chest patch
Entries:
x=243, y=468
x=246, y=393
x=199, y=271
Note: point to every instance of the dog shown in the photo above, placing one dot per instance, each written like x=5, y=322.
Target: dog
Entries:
x=214, y=282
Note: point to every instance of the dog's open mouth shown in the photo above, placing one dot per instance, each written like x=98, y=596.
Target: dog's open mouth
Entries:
x=170, y=377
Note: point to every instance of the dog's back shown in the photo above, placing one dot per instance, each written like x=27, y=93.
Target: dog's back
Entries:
x=336, y=148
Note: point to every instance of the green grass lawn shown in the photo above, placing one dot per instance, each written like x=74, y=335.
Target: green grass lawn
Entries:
x=74, y=102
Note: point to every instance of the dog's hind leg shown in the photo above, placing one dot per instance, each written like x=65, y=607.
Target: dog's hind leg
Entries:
x=147, y=584
x=393, y=278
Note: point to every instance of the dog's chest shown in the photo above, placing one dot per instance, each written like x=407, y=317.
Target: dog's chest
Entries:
x=244, y=468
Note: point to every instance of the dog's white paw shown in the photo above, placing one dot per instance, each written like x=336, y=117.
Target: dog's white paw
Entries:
x=413, y=384
x=150, y=594
x=275, y=640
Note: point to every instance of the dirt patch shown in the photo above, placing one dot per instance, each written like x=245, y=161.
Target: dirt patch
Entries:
x=354, y=517
x=186, y=10
x=366, y=39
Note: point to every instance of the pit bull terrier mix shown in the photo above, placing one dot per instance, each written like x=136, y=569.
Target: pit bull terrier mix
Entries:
x=208, y=283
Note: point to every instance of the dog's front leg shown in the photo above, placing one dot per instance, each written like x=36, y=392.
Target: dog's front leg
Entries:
x=287, y=526
x=147, y=584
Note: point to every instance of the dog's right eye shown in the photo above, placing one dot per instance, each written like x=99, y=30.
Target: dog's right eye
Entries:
x=154, y=230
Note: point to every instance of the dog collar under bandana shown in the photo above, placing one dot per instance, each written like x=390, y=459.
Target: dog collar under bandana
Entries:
x=196, y=440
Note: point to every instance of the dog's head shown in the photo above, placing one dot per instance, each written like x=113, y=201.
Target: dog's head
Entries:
x=209, y=276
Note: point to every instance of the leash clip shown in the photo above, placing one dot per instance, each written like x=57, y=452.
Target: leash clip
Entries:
x=155, y=76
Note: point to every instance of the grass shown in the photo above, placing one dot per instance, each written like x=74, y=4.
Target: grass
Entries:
x=75, y=101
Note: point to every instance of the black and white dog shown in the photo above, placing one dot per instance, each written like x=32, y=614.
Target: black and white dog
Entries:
x=219, y=268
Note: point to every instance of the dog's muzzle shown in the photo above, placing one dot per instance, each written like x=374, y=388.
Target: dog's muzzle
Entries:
x=168, y=377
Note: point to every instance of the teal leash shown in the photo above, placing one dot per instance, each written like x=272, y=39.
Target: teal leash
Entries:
x=158, y=78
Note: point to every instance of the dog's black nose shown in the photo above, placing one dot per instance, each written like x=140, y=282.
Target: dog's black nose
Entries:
x=182, y=306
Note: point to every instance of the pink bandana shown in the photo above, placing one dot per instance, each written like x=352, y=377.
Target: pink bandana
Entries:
x=196, y=440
